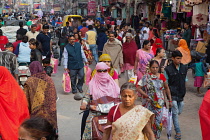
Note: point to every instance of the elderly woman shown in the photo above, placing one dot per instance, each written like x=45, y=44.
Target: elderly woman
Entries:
x=13, y=106
x=41, y=94
x=153, y=84
x=102, y=84
x=127, y=120
x=143, y=57
x=183, y=48
x=129, y=52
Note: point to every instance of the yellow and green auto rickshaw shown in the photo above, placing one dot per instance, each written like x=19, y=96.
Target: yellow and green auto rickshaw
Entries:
x=70, y=18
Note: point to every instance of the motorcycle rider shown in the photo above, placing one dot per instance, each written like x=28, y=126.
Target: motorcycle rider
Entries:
x=102, y=84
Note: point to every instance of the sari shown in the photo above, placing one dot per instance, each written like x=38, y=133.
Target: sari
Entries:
x=13, y=106
x=157, y=44
x=130, y=125
x=144, y=59
x=204, y=114
x=153, y=87
x=41, y=94
x=183, y=48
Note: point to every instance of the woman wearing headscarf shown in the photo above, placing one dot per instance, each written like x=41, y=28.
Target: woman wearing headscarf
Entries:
x=129, y=55
x=41, y=94
x=102, y=84
x=108, y=61
x=157, y=44
x=13, y=106
x=183, y=48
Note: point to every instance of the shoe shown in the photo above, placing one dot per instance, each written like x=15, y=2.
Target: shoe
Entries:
x=78, y=96
x=81, y=91
x=59, y=64
x=57, y=98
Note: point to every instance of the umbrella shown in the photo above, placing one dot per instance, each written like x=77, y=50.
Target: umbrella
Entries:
x=169, y=124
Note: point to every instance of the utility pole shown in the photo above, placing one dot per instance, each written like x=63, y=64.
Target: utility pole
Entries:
x=128, y=11
x=135, y=7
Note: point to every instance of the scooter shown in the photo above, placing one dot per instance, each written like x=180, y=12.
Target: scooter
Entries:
x=103, y=105
x=23, y=73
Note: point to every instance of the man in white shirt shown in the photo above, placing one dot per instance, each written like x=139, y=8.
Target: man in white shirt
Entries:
x=33, y=33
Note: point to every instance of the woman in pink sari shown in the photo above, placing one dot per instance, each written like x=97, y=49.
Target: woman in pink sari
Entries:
x=143, y=57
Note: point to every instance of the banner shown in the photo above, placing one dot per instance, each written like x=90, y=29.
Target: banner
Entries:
x=37, y=6
x=91, y=7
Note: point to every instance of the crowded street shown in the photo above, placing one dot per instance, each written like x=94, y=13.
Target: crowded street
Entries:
x=105, y=70
x=69, y=113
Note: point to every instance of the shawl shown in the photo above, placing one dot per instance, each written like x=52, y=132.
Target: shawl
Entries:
x=130, y=125
x=114, y=49
x=41, y=94
x=35, y=67
x=13, y=106
x=204, y=114
x=183, y=48
x=157, y=44
x=102, y=84
x=129, y=52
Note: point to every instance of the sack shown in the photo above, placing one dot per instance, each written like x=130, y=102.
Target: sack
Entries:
x=66, y=82
x=201, y=48
x=133, y=79
x=54, y=64
x=87, y=76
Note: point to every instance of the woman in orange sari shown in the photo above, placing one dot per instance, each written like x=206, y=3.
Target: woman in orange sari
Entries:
x=129, y=121
x=13, y=106
x=183, y=48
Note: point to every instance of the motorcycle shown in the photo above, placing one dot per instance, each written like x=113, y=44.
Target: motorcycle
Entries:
x=23, y=73
x=103, y=105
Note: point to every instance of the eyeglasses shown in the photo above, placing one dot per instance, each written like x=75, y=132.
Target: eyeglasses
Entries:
x=106, y=61
x=102, y=70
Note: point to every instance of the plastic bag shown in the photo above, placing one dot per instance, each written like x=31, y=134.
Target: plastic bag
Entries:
x=87, y=76
x=66, y=82
x=164, y=116
x=133, y=79
x=54, y=64
x=207, y=80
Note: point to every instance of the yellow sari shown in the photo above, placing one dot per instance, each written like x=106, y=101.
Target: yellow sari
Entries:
x=130, y=125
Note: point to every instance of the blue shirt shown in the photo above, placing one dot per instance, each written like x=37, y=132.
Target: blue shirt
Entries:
x=200, y=69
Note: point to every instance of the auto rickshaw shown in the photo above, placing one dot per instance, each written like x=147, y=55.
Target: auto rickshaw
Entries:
x=71, y=18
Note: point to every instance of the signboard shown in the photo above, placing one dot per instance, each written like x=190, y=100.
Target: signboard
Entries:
x=91, y=7
x=57, y=7
x=37, y=6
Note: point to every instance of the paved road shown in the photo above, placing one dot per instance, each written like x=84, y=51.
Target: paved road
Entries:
x=69, y=120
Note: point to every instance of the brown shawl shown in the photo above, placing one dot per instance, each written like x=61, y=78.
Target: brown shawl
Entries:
x=41, y=94
x=114, y=49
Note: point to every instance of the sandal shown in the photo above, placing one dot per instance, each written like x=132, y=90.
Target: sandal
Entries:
x=177, y=137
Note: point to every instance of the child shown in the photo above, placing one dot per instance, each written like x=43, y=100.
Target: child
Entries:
x=46, y=64
x=87, y=52
x=200, y=71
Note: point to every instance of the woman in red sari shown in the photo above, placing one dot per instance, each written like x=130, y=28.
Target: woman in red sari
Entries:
x=13, y=106
x=204, y=114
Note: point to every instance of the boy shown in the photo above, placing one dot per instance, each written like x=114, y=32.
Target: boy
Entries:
x=46, y=64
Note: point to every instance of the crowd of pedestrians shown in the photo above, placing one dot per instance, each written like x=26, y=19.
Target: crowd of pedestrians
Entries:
x=116, y=49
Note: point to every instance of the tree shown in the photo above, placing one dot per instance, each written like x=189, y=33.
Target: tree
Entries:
x=128, y=11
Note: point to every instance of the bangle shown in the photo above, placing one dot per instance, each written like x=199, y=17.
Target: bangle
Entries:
x=169, y=101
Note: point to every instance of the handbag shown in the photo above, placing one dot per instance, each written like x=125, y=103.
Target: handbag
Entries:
x=66, y=82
